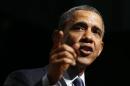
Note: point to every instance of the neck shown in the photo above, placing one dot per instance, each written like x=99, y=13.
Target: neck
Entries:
x=73, y=71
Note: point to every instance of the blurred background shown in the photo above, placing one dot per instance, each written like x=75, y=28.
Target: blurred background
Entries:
x=25, y=37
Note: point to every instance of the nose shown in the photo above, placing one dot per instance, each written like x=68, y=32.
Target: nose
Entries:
x=87, y=37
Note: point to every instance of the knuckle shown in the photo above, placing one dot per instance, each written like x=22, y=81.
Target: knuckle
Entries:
x=64, y=46
x=65, y=53
x=51, y=59
x=65, y=60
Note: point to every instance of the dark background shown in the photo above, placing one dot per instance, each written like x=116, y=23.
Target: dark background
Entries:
x=25, y=37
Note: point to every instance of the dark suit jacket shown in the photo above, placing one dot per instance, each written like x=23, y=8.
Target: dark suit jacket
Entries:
x=28, y=77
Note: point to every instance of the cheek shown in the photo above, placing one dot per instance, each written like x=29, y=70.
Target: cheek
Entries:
x=98, y=47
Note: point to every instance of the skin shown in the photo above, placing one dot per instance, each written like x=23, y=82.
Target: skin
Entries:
x=76, y=46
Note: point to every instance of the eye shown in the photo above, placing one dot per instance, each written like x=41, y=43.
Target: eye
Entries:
x=78, y=28
x=97, y=31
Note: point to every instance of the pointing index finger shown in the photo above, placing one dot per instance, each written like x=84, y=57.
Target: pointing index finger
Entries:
x=57, y=38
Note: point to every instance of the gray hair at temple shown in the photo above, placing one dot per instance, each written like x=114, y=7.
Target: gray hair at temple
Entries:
x=68, y=14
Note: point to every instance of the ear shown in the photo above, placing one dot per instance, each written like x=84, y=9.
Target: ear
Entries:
x=101, y=48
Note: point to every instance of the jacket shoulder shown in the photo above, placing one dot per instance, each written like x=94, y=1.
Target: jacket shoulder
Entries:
x=25, y=77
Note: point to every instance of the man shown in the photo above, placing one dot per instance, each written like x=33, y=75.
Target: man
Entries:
x=77, y=43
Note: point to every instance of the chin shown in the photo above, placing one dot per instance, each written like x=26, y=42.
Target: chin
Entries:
x=85, y=61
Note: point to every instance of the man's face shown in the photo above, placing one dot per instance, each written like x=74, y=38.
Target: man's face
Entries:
x=86, y=29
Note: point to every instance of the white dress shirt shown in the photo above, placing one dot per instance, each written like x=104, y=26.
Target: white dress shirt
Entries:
x=68, y=81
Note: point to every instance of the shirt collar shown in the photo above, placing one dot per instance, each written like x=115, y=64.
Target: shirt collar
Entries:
x=69, y=81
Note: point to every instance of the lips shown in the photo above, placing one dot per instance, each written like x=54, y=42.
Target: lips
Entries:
x=85, y=49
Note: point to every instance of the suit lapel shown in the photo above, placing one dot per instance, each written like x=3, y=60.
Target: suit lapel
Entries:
x=62, y=82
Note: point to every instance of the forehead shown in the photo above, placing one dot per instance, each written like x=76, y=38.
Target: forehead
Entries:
x=89, y=17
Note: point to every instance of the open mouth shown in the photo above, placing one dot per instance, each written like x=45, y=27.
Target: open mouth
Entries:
x=85, y=50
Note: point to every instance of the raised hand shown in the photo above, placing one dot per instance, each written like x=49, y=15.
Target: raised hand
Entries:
x=61, y=57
